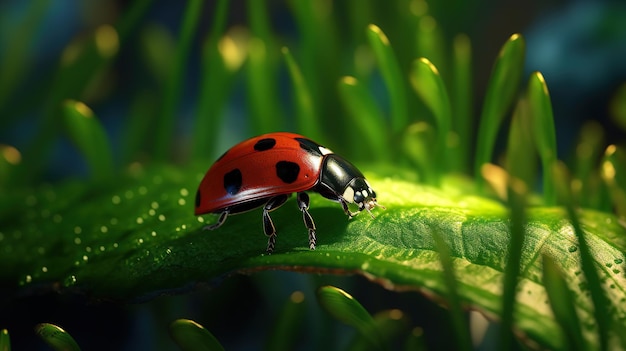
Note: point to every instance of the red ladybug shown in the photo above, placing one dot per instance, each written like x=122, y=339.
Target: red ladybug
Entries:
x=263, y=172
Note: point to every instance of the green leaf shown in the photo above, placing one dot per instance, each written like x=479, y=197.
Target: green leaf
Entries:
x=502, y=90
x=343, y=307
x=390, y=324
x=391, y=73
x=191, y=336
x=90, y=138
x=461, y=96
x=137, y=238
x=5, y=340
x=56, y=338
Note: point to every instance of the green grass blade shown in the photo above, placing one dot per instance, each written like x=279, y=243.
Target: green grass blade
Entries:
x=389, y=323
x=57, y=338
x=417, y=144
x=517, y=193
x=191, y=336
x=461, y=96
x=307, y=122
x=287, y=329
x=601, y=313
x=90, y=138
x=220, y=61
x=15, y=57
x=429, y=86
x=391, y=73
x=264, y=110
x=613, y=173
x=367, y=119
x=501, y=92
x=174, y=86
x=591, y=192
x=457, y=316
x=540, y=110
x=343, y=307
x=521, y=154
x=562, y=303
x=5, y=340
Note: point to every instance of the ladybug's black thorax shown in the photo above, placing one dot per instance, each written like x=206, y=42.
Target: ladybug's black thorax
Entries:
x=336, y=174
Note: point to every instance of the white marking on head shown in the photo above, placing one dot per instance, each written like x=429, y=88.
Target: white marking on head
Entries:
x=325, y=151
x=365, y=194
x=348, y=194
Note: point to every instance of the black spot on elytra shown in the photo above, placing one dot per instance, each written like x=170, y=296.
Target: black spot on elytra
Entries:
x=309, y=146
x=287, y=171
x=265, y=144
x=233, y=181
x=198, y=198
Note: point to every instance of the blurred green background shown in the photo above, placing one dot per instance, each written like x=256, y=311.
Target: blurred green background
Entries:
x=579, y=46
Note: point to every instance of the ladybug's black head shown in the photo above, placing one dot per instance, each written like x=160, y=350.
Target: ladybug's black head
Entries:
x=360, y=193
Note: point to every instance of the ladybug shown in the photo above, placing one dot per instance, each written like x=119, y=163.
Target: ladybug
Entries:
x=265, y=170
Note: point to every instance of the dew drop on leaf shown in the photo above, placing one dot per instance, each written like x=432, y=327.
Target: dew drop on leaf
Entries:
x=609, y=264
x=618, y=261
x=572, y=248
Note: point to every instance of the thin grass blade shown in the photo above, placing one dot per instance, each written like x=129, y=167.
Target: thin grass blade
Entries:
x=222, y=56
x=174, y=87
x=391, y=73
x=459, y=322
x=285, y=332
x=390, y=323
x=264, y=110
x=614, y=175
x=517, y=194
x=417, y=144
x=367, y=118
x=502, y=90
x=521, y=154
x=5, y=340
x=343, y=307
x=429, y=86
x=89, y=137
x=306, y=112
x=57, y=338
x=191, y=336
x=562, y=303
x=540, y=109
x=461, y=96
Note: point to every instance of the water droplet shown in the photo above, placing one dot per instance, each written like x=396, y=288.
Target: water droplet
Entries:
x=572, y=248
x=41, y=250
x=129, y=194
x=139, y=220
x=142, y=190
x=184, y=192
x=77, y=241
x=116, y=200
x=114, y=221
x=609, y=264
x=115, y=245
x=70, y=281
x=88, y=249
x=154, y=205
x=616, y=271
x=44, y=269
x=200, y=219
x=104, y=229
x=102, y=248
x=181, y=202
x=168, y=251
x=57, y=218
x=140, y=241
x=151, y=212
x=161, y=218
x=153, y=233
x=29, y=278
x=78, y=230
x=618, y=261
x=85, y=258
x=184, y=226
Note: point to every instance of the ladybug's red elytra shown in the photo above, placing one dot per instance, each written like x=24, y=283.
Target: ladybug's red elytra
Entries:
x=265, y=170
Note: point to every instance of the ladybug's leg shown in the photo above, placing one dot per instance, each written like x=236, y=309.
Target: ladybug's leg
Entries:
x=303, y=203
x=268, y=225
x=346, y=210
x=220, y=221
